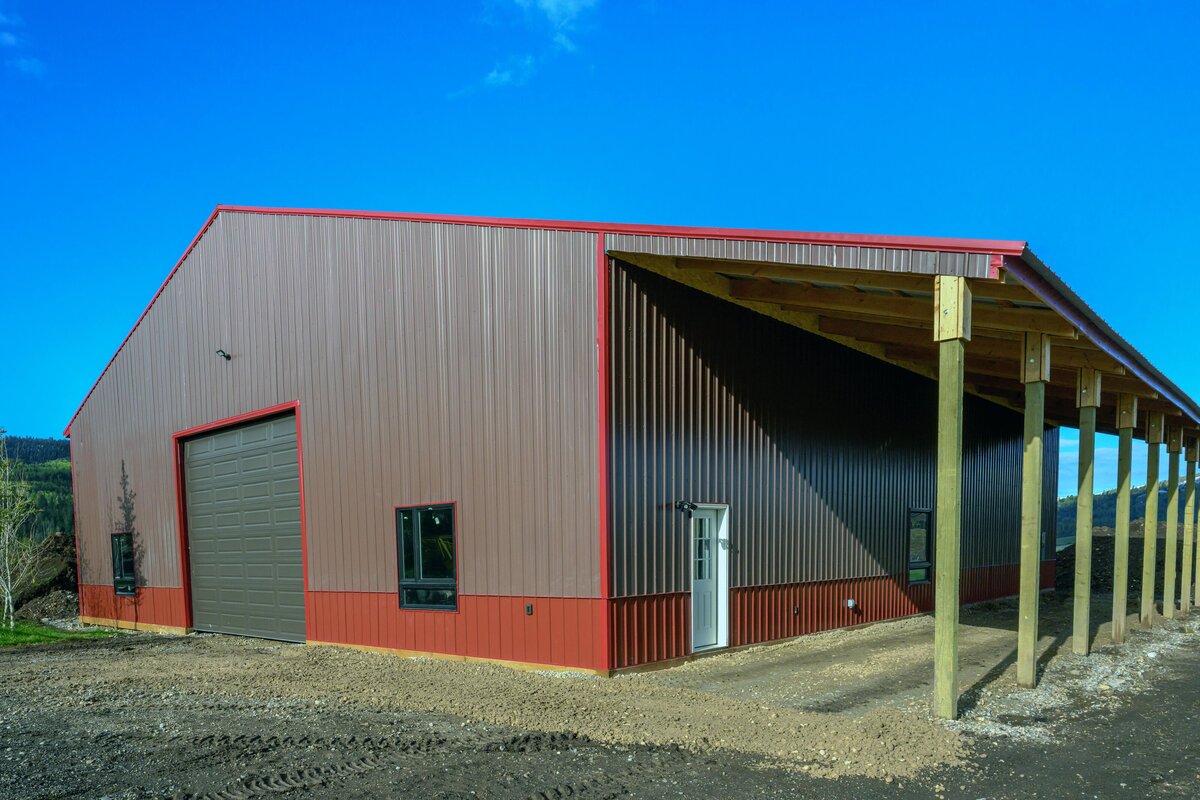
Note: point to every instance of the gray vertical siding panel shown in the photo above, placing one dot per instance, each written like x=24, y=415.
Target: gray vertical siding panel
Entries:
x=432, y=362
x=819, y=450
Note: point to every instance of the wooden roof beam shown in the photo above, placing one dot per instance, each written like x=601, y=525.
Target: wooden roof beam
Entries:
x=860, y=278
x=816, y=300
x=1008, y=365
x=980, y=344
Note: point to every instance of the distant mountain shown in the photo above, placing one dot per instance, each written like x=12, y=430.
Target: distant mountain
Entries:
x=1104, y=509
x=46, y=466
x=32, y=450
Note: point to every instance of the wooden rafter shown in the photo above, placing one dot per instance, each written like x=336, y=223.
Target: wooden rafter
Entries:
x=1009, y=367
x=857, y=321
x=815, y=300
x=858, y=278
x=980, y=345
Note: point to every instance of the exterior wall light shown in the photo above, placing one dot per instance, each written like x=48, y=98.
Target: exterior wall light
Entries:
x=224, y=355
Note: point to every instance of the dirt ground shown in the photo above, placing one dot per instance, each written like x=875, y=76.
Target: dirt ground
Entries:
x=1103, y=545
x=843, y=714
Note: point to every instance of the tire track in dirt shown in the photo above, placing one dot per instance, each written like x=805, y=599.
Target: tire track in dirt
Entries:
x=382, y=751
x=609, y=786
x=388, y=751
x=290, y=781
x=601, y=789
x=536, y=742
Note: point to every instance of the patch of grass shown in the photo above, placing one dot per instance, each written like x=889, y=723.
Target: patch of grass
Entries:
x=33, y=633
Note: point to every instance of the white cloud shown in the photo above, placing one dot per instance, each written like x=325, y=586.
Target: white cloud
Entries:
x=561, y=16
x=564, y=42
x=514, y=72
x=24, y=64
x=559, y=13
x=29, y=65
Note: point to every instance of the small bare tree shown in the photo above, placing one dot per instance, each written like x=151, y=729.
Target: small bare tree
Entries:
x=21, y=556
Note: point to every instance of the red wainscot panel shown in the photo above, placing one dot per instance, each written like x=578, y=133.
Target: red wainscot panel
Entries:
x=561, y=631
x=992, y=583
x=764, y=613
x=152, y=608
x=650, y=628
x=658, y=627
x=1048, y=574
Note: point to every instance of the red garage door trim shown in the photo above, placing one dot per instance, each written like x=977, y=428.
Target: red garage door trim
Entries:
x=177, y=440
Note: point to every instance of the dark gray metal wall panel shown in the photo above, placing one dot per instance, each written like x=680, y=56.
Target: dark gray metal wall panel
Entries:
x=971, y=265
x=1050, y=492
x=432, y=363
x=819, y=450
x=244, y=542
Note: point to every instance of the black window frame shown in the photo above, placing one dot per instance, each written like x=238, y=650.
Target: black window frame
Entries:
x=124, y=568
x=926, y=565
x=402, y=558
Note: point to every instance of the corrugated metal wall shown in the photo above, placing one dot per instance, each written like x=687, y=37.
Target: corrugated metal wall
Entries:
x=971, y=265
x=432, y=362
x=818, y=450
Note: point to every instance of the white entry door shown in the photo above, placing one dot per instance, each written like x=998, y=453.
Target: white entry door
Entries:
x=710, y=578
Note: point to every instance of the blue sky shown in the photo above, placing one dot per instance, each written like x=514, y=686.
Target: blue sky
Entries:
x=1072, y=126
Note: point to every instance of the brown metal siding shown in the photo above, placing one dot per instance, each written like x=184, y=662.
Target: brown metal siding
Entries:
x=432, y=362
x=971, y=265
x=818, y=450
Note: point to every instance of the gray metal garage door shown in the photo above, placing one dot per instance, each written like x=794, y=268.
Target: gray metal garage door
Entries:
x=243, y=507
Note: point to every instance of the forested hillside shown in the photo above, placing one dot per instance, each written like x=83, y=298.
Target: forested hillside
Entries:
x=31, y=450
x=46, y=466
x=1104, y=509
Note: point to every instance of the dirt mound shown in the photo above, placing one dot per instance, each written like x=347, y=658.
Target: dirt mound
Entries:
x=1103, y=549
x=57, y=572
x=53, y=605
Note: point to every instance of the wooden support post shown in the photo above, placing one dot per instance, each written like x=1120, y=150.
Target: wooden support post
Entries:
x=1088, y=400
x=1154, y=437
x=952, y=328
x=1196, y=535
x=1035, y=372
x=1189, y=527
x=1171, y=553
x=1126, y=417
